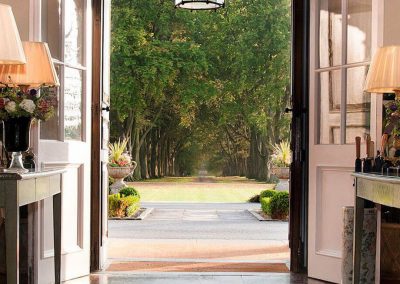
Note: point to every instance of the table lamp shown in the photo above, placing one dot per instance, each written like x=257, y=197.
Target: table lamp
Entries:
x=384, y=77
x=384, y=71
x=38, y=71
x=11, y=51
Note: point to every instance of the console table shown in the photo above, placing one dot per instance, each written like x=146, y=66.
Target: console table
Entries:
x=380, y=189
x=17, y=190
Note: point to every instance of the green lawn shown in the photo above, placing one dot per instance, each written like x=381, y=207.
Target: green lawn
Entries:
x=191, y=191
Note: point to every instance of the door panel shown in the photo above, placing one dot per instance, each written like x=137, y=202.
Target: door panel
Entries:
x=100, y=132
x=105, y=124
x=65, y=25
x=339, y=111
x=71, y=145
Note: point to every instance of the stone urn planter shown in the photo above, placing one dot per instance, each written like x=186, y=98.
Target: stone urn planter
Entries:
x=283, y=173
x=119, y=174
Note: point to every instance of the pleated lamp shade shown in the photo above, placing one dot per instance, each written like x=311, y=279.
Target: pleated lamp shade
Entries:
x=38, y=70
x=11, y=51
x=384, y=71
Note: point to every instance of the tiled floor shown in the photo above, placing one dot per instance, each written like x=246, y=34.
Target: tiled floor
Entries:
x=173, y=278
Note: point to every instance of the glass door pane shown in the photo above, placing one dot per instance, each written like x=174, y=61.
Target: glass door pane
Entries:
x=52, y=26
x=330, y=33
x=329, y=107
x=74, y=32
x=359, y=20
x=358, y=104
x=73, y=90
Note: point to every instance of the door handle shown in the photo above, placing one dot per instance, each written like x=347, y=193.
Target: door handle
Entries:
x=107, y=108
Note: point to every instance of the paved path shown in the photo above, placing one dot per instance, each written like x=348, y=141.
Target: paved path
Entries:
x=199, y=221
x=199, y=231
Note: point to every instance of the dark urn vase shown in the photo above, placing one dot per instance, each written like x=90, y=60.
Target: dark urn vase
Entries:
x=16, y=140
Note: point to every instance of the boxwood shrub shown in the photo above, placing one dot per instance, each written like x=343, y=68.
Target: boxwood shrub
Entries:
x=279, y=205
x=126, y=191
x=122, y=206
x=266, y=205
x=267, y=193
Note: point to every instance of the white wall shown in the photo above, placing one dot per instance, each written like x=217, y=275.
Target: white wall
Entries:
x=391, y=28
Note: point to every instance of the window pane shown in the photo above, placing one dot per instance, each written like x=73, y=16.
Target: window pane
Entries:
x=73, y=104
x=330, y=33
x=359, y=30
x=329, y=107
x=51, y=26
x=74, y=31
x=49, y=129
x=358, y=104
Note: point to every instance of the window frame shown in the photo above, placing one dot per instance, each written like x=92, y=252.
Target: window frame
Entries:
x=343, y=67
x=81, y=67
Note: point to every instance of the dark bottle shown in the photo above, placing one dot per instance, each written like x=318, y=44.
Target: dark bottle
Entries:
x=358, y=164
x=378, y=162
x=367, y=166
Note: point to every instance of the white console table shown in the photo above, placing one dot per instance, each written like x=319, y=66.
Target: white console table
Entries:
x=17, y=190
x=379, y=189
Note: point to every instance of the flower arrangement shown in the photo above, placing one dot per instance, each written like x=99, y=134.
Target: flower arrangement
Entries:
x=282, y=155
x=24, y=102
x=392, y=124
x=118, y=157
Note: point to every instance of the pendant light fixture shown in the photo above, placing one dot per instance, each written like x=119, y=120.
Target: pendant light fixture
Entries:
x=200, y=4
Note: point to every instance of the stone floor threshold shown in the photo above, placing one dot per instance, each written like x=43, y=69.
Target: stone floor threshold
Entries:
x=180, y=266
x=194, y=278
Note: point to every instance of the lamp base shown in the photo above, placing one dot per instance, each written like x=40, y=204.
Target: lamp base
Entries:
x=16, y=166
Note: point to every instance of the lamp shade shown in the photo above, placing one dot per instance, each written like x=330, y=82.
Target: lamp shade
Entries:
x=38, y=70
x=384, y=71
x=11, y=51
x=199, y=4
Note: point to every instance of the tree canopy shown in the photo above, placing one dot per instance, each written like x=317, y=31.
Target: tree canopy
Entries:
x=200, y=89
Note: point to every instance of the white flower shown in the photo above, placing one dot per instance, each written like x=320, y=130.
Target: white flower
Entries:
x=11, y=106
x=28, y=105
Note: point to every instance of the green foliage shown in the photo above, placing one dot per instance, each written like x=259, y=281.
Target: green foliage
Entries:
x=280, y=205
x=122, y=206
x=282, y=155
x=266, y=205
x=267, y=193
x=392, y=117
x=129, y=191
x=209, y=88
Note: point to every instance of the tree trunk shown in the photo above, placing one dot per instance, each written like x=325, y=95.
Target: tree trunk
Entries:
x=159, y=156
x=153, y=153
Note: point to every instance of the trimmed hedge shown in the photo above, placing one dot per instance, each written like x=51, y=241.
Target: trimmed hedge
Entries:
x=126, y=191
x=266, y=205
x=122, y=206
x=280, y=205
x=267, y=193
